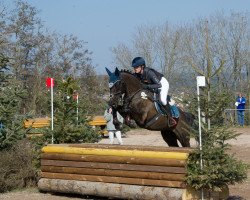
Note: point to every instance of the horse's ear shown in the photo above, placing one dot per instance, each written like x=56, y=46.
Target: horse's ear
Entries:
x=109, y=72
x=117, y=72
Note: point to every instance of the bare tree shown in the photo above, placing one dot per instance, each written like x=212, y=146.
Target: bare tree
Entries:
x=169, y=51
x=122, y=56
x=159, y=45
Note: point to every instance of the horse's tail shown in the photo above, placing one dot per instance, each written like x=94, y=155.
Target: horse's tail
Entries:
x=183, y=130
x=191, y=120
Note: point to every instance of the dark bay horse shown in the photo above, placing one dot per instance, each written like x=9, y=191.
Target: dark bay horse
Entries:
x=126, y=88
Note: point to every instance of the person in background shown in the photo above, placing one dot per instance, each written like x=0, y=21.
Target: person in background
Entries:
x=112, y=130
x=240, y=104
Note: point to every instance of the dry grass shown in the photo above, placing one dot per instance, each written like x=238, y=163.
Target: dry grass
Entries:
x=16, y=167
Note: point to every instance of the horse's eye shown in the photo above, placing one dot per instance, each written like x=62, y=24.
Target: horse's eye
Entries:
x=111, y=96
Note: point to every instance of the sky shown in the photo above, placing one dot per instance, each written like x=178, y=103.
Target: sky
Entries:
x=104, y=24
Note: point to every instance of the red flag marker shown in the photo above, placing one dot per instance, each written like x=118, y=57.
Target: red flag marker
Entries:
x=50, y=82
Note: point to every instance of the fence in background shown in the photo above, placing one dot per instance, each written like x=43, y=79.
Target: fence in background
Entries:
x=230, y=117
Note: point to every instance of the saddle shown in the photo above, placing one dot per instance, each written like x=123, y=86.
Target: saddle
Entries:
x=169, y=110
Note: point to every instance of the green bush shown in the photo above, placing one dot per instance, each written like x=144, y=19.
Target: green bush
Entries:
x=17, y=167
x=73, y=134
x=219, y=167
x=70, y=126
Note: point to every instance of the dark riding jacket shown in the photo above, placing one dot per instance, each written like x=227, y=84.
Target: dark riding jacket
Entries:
x=150, y=77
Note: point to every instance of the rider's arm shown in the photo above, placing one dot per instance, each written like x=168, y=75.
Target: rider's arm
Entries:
x=243, y=100
x=155, y=82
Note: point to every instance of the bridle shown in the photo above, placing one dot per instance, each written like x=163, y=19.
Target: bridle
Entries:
x=121, y=93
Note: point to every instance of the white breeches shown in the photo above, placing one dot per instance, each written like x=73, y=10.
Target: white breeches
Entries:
x=118, y=136
x=164, y=90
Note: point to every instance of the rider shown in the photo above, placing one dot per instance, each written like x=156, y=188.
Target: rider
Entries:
x=153, y=80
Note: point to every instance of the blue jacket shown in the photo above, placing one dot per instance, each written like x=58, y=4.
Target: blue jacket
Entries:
x=242, y=102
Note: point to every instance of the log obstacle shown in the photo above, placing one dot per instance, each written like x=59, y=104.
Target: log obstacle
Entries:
x=125, y=172
x=36, y=124
x=101, y=122
x=98, y=121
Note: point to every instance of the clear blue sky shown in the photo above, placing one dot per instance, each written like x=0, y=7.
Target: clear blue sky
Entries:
x=105, y=23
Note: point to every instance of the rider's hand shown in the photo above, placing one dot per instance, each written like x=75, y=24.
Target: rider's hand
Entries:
x=110, y=110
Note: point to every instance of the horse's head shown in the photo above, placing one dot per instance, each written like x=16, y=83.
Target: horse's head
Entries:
x=122, y=85
x=117, y=88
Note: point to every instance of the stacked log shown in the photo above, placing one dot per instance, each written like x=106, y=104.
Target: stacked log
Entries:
x=126, y=172
x=36, y=124
x=99, y=121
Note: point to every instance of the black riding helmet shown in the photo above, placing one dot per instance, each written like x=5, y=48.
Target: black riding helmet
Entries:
x=138, y=61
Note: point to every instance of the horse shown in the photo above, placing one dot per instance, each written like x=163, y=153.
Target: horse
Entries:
x=126, y=88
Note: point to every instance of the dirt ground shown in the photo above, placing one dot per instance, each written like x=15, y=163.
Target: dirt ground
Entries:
x=240, y=147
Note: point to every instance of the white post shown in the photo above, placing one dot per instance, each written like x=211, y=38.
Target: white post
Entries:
x=77, y=109
x=199, y=118
x=200, y=82
x=52, y=110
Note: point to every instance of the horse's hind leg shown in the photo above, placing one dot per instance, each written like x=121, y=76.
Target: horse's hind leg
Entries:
x=170, y=138
x=183, y=137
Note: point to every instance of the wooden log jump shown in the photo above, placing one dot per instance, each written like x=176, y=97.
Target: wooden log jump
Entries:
x=125, y=172
x=141, y=168
x=36, y=124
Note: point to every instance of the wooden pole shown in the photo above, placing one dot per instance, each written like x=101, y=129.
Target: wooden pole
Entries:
x=113, y=190
x=109, y=179
x=115, y=152
x=114, y=166
x=114, y=159
x=115, y=173
x=132, y=147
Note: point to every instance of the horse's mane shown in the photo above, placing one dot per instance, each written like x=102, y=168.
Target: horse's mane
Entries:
x=126, y=71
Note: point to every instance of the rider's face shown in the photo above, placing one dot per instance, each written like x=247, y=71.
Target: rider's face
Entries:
x=138, y=70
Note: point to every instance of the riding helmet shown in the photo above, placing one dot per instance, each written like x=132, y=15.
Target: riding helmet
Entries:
x=138, y=61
